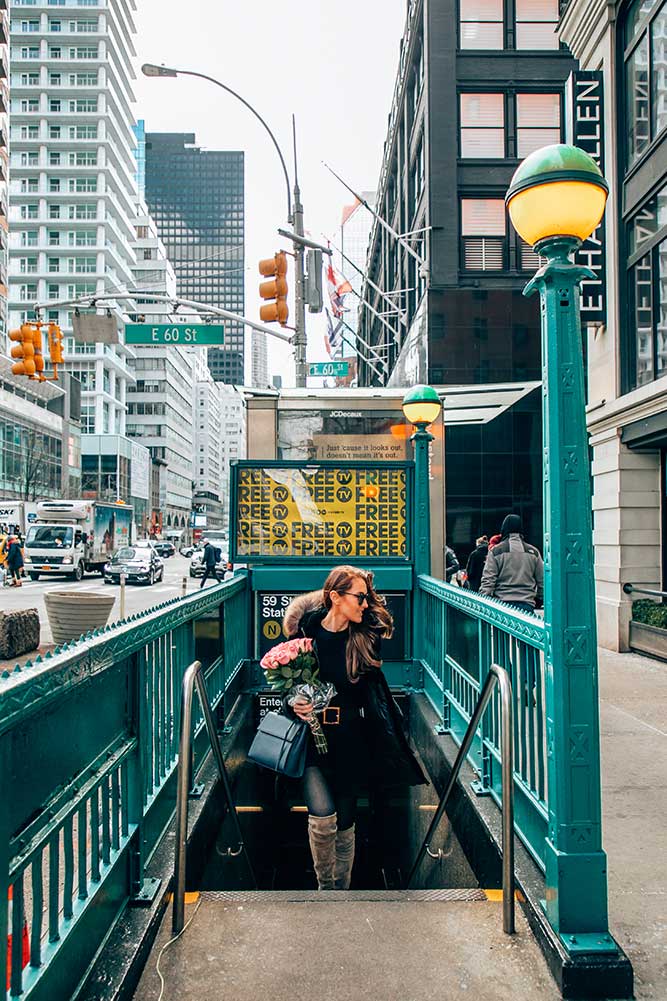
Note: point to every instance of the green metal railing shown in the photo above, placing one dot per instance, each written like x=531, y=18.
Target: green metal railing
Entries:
x=463, y=634
x=88, y=757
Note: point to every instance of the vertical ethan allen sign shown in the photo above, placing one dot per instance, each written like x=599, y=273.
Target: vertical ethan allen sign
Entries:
x=586, y=99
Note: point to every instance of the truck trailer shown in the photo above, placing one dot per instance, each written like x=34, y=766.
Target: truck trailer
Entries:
x=73, y=537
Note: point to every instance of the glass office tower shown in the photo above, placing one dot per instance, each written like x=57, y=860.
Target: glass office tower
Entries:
x=196, y=197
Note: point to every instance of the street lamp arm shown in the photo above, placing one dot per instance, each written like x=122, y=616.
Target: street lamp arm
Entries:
x=149, y=70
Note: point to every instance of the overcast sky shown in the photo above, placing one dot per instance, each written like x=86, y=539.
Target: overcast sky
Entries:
x=332, y=64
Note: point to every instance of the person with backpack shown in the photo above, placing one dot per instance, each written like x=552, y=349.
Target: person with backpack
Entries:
x=14, y=561
x=209, y=560
x=514, y=571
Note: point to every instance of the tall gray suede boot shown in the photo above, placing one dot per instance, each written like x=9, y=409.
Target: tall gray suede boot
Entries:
x=322, y=839
x=344, y=859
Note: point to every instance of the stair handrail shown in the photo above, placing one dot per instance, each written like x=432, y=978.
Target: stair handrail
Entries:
x=194, y=676
x=500, y=676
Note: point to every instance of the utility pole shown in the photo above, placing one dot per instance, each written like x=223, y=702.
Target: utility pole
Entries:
x=299, y=340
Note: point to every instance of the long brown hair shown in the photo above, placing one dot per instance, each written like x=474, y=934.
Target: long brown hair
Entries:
x=361, y=649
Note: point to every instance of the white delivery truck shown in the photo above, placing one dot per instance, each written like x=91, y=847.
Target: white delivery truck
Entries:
x=17, y=514
x=74, y=536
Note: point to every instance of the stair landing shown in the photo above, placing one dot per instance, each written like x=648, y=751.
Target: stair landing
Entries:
x=360, y=945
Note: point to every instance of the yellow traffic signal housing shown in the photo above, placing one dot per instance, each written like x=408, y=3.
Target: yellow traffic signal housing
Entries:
x=275, y=268
x=29, y=350
x=55, y=336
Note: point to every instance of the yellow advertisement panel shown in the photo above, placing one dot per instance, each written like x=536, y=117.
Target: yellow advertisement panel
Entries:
x=329, y=512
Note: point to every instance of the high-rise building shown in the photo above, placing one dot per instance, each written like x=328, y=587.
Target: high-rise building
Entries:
x=4, y=169
x=73, y=198
x=196, y=197
x=208, y=414
x=480, y=84
x=233, y=439
x=259, y=357
x=160, y=402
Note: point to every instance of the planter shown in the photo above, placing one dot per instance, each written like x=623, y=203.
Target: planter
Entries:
x=72, y=613
x=648, y=639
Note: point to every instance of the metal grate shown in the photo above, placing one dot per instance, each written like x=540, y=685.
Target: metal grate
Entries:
x=341, y=896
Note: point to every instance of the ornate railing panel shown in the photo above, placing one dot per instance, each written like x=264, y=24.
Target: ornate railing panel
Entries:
x=88, y=753
x=463, y=634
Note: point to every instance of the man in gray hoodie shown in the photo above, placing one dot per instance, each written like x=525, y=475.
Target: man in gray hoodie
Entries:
x=514, y=571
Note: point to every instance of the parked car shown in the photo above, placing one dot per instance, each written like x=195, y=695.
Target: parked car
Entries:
x=187, y=550
x=223, y=568
x=140, y=564
x=165, y=549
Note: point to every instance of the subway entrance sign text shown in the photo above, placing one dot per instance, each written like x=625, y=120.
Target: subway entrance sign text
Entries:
x=174, y=333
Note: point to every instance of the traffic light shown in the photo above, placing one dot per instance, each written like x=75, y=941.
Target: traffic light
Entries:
x=29, y=350
x=275, y=268
x=55, y=336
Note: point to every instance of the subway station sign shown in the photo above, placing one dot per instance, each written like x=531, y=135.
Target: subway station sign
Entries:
x=190, y=335
x=325, y=510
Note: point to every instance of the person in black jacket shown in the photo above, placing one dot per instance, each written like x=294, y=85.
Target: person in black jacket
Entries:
x=14, y=560
x=476, y=561
x=208, y=562
x=366, y=745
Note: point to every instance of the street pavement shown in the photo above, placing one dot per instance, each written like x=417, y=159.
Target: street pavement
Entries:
x=138, y=597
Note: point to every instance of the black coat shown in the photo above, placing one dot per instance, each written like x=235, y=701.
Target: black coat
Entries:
x=14, y=557
x=393, y=763
x=475, y=566
x=209, y=559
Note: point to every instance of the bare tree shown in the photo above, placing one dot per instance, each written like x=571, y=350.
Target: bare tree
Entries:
x=34, y=466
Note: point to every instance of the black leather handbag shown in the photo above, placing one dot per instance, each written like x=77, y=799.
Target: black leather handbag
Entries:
x=280, y=744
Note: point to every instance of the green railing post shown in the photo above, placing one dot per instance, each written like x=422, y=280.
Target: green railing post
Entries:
x=140, y=768
x=421, y=440
x=576, y=867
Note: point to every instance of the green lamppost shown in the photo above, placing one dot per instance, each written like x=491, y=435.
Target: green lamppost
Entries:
x=422, y=406
x=556, y=200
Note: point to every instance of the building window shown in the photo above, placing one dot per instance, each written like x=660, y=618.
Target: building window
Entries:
x=481, y=24
x=646, y=338
x=536, y=22
x=537, y=122
x=645, y=79
x=483, y=125
x=484, y=234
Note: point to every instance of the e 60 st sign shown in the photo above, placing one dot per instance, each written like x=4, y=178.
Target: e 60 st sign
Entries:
x=174, y=333
x=324, y=368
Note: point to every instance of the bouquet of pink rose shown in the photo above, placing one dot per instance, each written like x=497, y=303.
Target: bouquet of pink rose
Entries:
x=291, y=668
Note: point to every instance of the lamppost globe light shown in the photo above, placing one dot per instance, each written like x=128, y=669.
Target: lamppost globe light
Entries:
x=421, y=405
x=557, y=191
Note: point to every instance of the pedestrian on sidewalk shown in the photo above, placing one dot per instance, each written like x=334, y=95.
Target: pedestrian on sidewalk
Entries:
x=452, y=565
x=209, y=560
x=366, y=746
x=14, y=561
x=476, y=561
x=513, y=571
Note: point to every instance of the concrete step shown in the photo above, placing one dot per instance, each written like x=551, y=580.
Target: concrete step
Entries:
x=377, y=945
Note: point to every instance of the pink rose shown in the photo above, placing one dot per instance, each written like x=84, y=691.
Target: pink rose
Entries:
x=283, y=656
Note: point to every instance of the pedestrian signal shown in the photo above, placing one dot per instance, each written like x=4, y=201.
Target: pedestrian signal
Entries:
x=275, y=268
x=28, y=350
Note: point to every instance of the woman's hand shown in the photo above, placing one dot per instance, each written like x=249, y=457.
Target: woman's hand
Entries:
x=303, y=709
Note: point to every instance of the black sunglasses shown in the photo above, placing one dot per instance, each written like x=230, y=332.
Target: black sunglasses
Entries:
x=361, y=596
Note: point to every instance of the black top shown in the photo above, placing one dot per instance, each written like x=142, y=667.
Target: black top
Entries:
x=331, y=656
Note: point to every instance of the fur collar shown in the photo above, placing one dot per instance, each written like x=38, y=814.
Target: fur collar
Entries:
x=299, y=608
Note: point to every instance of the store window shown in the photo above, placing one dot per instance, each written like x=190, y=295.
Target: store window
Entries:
x=645, y=78
x=483, y=234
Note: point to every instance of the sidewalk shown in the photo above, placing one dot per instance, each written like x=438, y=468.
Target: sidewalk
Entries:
x=633, y=715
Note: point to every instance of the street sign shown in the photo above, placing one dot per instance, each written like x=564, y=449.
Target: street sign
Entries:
x=324, y=368
x=174, y=333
